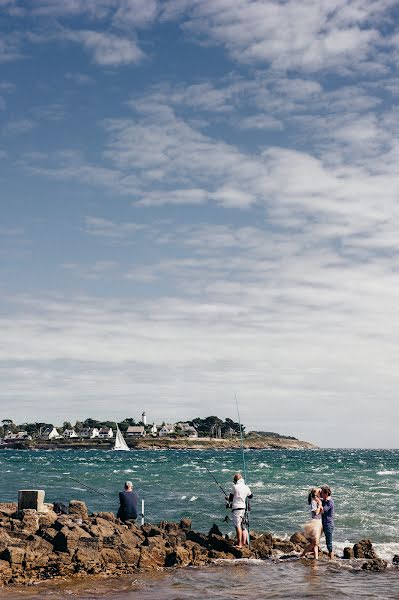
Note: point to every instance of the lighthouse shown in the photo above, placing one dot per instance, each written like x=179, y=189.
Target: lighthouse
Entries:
x=144, y=419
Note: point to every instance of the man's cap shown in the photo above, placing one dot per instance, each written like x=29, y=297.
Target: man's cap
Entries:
x=128, y=484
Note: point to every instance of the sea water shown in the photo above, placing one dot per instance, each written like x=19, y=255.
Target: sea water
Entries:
x=177, y=483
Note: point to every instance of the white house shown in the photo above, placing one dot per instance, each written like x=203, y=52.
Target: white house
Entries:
x=154, y=429
x=187, y=429
x=166, y=429
x=135, y=431
x=106, y=433
x=50, y=434
x=69, y=434
x=89, y=433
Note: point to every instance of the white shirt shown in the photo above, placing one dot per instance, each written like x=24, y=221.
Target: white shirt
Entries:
x=241, y=493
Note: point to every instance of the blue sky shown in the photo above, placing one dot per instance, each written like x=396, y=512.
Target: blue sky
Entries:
x=200, y=199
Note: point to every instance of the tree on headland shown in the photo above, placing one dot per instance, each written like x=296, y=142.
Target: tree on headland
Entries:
x=7, y=425
x=214, y=427
x=34, y=429
x=123, y=425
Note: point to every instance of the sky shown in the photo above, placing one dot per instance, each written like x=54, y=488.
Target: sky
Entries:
x=199, y=202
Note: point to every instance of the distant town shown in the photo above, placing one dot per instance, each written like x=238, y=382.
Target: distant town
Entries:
x=92, y=429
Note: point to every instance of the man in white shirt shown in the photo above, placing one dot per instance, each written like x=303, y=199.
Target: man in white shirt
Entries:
x=238, y=501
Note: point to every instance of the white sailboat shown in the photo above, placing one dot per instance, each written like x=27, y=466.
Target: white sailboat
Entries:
x=120, y=443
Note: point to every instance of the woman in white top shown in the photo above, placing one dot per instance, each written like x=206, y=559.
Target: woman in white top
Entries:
x=314, y=527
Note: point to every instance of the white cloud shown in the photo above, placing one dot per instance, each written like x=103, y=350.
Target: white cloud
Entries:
x=310, y=35
x=79, y=78
x=109, y=229
x=248, y=310
x=20, y=126
x=9, y=48
x=260, y=121
x=135, y=13
x=108, y=49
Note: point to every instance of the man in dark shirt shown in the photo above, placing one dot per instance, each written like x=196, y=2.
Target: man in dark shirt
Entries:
x=128, y=503
x=327, y=517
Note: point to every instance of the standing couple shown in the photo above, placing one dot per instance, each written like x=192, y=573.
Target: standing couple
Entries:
x=321, y=507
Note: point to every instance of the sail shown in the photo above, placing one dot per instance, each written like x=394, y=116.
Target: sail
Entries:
x=120, y=443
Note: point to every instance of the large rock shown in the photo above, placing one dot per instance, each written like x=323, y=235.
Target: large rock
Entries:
x=78, y=509
x=152, y=558
x=29, y=520
x=262, y=546
x=179, y=556
x=107, y=516
x=130, y=556
x=68, y=538
x=87, y=559
x=364, y=549
x=284, y=546
x=47, y=519
x=299, y=539
x=5, y=572
x=38, y=552
x=13, y=555
x=376, y=564
x=5, y=540
x=111, y=557
x=348, y=553
x=185, y=523
x=8, y=508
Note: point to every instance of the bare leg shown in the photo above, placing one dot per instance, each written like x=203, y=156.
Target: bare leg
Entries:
x=308, y=548
x=245, y=536
x=239, y=537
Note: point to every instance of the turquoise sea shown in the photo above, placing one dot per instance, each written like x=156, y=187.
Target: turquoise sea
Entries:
x=176, y=483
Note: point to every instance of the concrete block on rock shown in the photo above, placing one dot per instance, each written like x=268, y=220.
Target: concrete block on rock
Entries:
x=31, y=499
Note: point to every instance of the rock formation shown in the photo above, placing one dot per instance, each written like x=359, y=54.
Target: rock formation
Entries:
x=36, y=546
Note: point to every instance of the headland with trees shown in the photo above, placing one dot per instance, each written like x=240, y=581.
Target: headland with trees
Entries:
x=208, y=432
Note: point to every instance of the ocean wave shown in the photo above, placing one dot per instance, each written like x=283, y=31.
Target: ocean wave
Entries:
x=387, y=473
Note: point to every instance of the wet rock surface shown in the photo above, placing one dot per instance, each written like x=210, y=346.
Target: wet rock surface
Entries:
x=36, y=546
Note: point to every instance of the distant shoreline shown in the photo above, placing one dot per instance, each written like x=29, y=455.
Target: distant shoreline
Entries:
x=253, y=443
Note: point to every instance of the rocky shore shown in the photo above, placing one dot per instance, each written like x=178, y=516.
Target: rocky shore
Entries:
x=35, y=546
x=148, y=443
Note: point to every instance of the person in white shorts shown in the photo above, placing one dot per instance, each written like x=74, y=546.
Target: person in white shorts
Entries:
x=238, y=501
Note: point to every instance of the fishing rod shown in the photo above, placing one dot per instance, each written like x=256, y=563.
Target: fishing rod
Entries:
x=88, y=487
x=216, y=481
x=247, y=506
x=242, y=441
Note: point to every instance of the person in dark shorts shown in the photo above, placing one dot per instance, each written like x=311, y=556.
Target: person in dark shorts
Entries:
x=327, y=517
x=128, y=501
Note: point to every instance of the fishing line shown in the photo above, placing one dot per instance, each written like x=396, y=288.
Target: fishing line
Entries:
x=89, y=488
